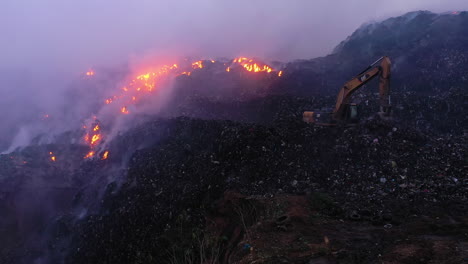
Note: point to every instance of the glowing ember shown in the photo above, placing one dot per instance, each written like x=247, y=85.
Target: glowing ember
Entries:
x=52, y=157
x=197, y=65
x=110, y=100
x=105, y=155
x=149, y=80
x=89, y=155
x=252, y=66
x=143, y=77
x=124, y=110
x=95, y=139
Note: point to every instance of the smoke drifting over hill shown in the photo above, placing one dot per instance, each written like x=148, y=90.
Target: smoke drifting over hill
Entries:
x=47, y=44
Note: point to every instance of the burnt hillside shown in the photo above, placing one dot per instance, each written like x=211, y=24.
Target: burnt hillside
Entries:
x=428, y=52
x=228, y=172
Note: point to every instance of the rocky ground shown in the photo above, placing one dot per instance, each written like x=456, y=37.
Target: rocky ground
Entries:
x=263, y=188
x=291, y=192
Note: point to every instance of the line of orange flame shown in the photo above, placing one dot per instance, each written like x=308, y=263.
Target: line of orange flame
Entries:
x=148, y=81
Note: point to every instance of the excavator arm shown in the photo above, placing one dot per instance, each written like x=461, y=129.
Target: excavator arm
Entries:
x=344, y=96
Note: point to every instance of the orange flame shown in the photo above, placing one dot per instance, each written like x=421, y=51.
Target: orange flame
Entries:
x=110, y=100
x=144, y=77
x=95, y=139
x=89, y=155
x=197, y=65
x=252, y=66
x=124, y=110
x=52, y=157
x=105, y=155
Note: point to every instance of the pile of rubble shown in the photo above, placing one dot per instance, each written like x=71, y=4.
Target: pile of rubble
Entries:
x=376, y=170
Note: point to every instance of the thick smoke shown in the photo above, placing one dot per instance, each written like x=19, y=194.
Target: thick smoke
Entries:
x=48, y=44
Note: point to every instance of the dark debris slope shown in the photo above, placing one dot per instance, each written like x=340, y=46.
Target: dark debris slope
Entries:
x=377, y=166
x=428, y=53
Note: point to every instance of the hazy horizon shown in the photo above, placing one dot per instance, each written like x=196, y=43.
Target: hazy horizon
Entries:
x=81, y=34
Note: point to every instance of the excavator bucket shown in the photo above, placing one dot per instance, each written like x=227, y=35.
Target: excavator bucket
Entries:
x=309, y=117
x=351, y=114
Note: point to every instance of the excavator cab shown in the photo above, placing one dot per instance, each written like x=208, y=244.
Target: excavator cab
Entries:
x=323, y=117
x=351, y=114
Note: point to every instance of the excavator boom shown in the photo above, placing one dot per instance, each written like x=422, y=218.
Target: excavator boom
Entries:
x=361, y=79
x=342, y=112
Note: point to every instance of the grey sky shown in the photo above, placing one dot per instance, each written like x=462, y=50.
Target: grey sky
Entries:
x=88, y=32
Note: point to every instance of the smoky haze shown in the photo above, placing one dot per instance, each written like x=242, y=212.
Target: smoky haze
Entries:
x=47, y=44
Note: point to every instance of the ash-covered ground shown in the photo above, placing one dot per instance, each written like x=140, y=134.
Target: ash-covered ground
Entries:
x=237, y=177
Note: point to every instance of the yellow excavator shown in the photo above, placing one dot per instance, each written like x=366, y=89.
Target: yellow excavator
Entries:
x=346, y=112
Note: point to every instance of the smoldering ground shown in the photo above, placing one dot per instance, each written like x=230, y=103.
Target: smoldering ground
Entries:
x=47, y=44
